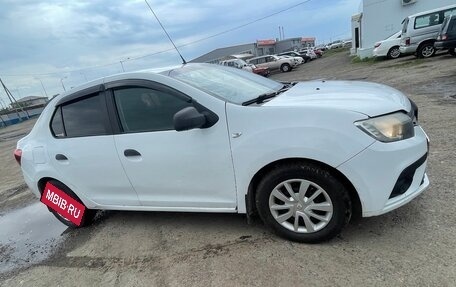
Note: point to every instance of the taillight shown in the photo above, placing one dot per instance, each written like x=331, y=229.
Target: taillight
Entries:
x=407, y=41
x=377, y=45
x=444, y=37
x=18, y=155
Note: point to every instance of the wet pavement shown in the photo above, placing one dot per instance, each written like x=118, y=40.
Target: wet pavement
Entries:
x=28, y=236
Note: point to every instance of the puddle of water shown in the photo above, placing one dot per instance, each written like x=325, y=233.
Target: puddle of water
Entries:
x=27, y=236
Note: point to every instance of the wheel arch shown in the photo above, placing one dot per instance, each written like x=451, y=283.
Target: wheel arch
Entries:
x=252, y=188
x=424, y=42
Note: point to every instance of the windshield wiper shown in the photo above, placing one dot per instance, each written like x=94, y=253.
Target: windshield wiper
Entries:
x=261, y=98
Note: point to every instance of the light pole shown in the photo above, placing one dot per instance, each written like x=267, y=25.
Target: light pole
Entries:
x=121, y=63
x=61, y=81
x=42, y=87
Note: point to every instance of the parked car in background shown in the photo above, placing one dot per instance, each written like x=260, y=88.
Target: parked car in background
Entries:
x=304, y=156
x=336, y=45
x=309, y=52
x=419, y=31
x=447, y=35
x=347, y=44
x=389, y=47
x=296, y=54
x=318, y=52
x=262, y=71
x=298, y=60
x=273, y=63
x=237, y=63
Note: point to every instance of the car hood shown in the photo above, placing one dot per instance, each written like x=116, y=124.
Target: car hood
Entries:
x=370, y=99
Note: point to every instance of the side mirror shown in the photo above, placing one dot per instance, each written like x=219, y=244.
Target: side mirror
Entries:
x=188, y=118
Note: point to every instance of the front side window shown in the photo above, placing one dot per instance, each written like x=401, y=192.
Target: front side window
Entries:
x=86, y=117
x=144, y=109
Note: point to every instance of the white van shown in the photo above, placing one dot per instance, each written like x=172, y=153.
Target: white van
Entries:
x=419, y=31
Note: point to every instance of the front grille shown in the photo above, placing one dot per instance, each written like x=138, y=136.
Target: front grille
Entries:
x=405, y=179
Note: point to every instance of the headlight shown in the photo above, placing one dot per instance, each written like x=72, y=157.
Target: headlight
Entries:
x=388, y=128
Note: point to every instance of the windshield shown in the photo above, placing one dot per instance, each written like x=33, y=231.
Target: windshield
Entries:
x=232, y=85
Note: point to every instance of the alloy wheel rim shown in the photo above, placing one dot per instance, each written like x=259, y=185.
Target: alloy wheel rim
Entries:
x=395, y=53
x=427, y=51
x=301, y=206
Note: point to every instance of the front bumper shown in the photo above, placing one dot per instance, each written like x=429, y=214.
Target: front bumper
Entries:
x=379, y=52
x=376, y=171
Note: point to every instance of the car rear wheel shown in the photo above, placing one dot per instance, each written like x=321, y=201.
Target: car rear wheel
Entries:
x=88, y=216
x=394, y=53
x=426, y=50
x=452, y=52
x=285, y=68
x=303, y=202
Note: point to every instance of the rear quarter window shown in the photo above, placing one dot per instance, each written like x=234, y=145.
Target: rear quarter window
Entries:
x=428, y=20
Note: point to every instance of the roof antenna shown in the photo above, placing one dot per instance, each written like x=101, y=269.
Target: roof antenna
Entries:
x=183, y=60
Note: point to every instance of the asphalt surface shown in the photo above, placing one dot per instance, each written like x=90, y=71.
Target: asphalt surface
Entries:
x=411, y=246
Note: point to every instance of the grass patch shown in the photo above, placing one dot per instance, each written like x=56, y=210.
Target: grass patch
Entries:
x=335, y=51
x=358, y=60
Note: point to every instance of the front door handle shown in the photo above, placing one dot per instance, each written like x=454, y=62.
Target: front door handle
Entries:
x=131, y=152
x=60, y=156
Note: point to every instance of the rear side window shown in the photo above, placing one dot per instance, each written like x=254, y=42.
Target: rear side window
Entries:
x=428, y=20
x=81, y=118
x=144, y=109
x=57, y=124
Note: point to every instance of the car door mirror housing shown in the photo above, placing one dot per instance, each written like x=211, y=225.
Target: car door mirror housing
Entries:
x=189, y=118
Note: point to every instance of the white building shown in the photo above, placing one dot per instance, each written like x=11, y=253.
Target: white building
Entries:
x=379, y=19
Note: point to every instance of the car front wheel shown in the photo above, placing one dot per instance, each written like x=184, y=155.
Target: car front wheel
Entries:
x=303, y=202
x=394, y=53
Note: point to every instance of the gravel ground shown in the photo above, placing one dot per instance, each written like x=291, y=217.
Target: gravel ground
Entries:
x=411, y=246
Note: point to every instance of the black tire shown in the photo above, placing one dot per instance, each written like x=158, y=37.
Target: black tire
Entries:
x=285, y=68
x=316, y=174
x=394, y=53
x=424, y=50
x=452, y=52
x=89, y=214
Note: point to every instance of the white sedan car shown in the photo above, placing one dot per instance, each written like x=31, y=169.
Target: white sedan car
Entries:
x=389, y=47
x=305, y=156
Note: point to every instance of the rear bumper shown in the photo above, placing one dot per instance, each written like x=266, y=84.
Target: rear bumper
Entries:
x=376, y=172
x=408, y=49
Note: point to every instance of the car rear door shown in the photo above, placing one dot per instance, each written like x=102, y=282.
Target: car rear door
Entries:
x=171, y=170
x=83, y=152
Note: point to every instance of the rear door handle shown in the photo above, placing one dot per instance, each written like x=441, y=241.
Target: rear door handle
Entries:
x=60, y=156
x=131, y=152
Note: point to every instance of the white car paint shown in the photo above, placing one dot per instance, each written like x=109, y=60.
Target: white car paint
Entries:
x=383, y=47
x=210, y=170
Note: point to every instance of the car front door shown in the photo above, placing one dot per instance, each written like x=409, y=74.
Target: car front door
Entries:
x=84, y=154
x=171, y=170
x=272, y=63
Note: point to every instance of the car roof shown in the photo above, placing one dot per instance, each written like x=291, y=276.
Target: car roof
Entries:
x=96, y=85
x=432, y=11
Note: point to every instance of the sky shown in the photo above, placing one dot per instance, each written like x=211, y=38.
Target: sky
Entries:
x=59, y=44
